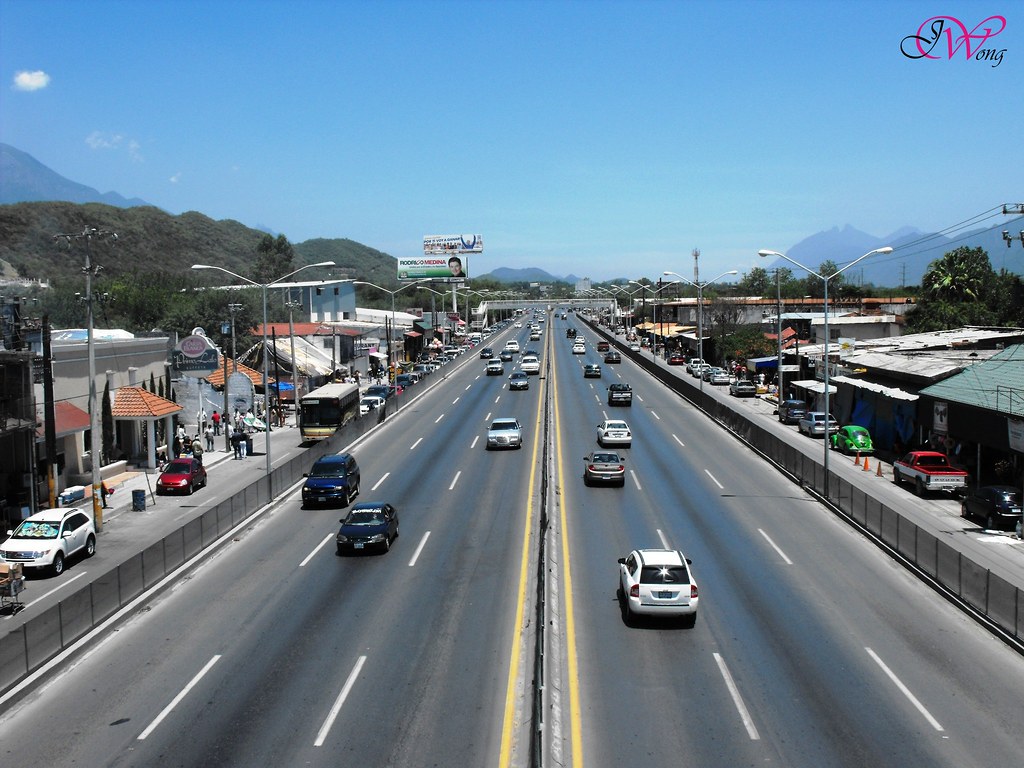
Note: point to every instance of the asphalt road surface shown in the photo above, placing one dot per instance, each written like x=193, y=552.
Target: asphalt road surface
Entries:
x=811, y=648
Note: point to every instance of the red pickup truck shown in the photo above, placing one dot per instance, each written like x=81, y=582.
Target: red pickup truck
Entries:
x=928, y=470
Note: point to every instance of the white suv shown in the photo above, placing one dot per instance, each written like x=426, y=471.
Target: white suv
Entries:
x=657, y=582
x=48, y=538
x=512, y=346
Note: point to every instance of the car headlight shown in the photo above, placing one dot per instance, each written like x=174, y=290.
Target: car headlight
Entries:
x=342, y=539
x=377, y=538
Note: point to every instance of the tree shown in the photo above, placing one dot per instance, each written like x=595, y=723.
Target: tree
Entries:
x=757, y=282
x=963, y=274
x=274, y=258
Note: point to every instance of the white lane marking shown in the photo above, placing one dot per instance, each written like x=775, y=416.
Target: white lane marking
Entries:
x=320, y=546
x=438, y=418
x=420, y=440
x=385, y=477
x=416, y=554
x=55, y=589
x=470, y=385
x=635, y=481
x=664, y=541
x=455, y=479
x=775, y=547
x=905, y=691
x=737, y=700
x=497, y=399
x=473, y=444
x=177, y=699
x=655, y=415
x=639, y=398
x=722, y=487
x=336, y=708
x=681, y=443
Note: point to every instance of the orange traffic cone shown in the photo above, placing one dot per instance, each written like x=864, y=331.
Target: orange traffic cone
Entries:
x=867, y=464
x=856, y=461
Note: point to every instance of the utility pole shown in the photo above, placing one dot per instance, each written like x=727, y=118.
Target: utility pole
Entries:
x=87, y=235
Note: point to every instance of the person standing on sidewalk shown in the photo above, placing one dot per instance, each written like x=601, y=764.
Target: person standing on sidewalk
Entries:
x=215, y=418
x=197, y=450
x=209, y=434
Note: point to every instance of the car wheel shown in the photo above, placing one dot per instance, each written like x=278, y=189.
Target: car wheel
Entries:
x=346, y=498
x=339, y=552
x=628, y=617
x=387, y=544
x=919, y=487
x=963, y=511
x=191, y=489
x=58, y=564
x=690, y=621
x=990, y=522
x=90, y=546
x=896, y=477
x=586, y=479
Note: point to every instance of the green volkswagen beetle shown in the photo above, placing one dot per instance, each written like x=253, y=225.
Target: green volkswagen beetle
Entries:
x=851, y=439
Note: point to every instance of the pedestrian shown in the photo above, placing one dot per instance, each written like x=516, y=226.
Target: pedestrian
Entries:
x=203, y=418
x=215, y=418
x=177, y=447
x=244, y=445
x=197, y=449
x=209, y=437
x=236, y=443
x=103, y=493
x=181, y=432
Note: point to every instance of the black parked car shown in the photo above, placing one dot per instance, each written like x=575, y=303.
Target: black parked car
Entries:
x=998, y=505
x=792, y=411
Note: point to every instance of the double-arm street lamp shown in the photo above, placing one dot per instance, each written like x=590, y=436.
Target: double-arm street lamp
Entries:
x=266, y=377
x=391, y=358
x=700, y=286
x=825, y=281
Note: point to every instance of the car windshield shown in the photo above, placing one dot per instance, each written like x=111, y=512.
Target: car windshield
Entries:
x=365, y=517
x=615, y=425
x=664, y=574
x=36, y=530
x=606, y=458
x=504, y=425
x=178, y=468
x=328, y=469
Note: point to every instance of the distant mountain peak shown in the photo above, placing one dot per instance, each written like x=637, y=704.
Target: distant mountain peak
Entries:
x=23, y=179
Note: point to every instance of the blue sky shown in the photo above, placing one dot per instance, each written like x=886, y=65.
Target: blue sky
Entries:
x=601, y=139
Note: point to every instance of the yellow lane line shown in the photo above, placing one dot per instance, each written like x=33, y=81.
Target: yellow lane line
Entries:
x=507, y=736
x=575, y=728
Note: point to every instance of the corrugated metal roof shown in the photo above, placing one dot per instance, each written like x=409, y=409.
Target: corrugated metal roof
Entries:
x=892, y=392
x=997, y=384
x=924, y=367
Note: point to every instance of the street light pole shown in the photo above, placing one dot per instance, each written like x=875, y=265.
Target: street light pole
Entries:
x=266, y=377
x=700, y=308
x=95, y=441
x=825, y=279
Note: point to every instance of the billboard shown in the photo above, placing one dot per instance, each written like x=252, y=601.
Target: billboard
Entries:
x=450, y=267
x=433, y=244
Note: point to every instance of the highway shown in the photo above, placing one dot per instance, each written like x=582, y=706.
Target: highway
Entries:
x=811, y=648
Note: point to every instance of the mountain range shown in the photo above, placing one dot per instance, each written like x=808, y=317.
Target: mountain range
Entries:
x=25, y=179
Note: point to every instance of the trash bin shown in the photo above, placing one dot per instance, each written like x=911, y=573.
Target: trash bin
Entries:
x=248, y=445
x=138, y=501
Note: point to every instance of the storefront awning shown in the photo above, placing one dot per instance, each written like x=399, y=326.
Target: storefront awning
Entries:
x=818, y=387
x=413, y=334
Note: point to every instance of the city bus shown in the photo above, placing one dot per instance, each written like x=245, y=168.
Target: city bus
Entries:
x=327, y=409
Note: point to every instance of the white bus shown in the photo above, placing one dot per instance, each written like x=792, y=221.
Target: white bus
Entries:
x=325, y=410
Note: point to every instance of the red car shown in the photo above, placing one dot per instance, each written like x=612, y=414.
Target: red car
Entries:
x=181, y=476
x=677, y=360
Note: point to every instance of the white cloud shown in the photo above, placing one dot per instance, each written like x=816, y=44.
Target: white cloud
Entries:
x=100, y=140
x=133, y=151
x=31, y=81
x=175, y=178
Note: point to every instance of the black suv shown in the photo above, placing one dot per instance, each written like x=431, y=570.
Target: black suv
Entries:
x=791, y=411
x=620, y=394
x=332, y=480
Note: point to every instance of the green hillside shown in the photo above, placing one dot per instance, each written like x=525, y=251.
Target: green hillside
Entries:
x=151, y=241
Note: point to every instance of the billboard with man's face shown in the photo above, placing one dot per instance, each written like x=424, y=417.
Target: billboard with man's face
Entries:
x=450, y=268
